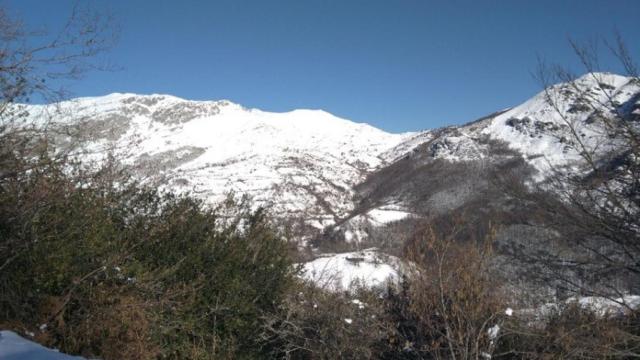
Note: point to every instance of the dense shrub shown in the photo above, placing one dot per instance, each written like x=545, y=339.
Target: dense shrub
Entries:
x=314, y=323
x=97, y=265
x=570, y=331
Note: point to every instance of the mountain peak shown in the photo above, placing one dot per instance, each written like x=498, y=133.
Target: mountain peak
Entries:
x=598, y=79
x=298, y=161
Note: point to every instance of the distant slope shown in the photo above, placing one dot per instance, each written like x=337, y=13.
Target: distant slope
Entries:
x=452, y=169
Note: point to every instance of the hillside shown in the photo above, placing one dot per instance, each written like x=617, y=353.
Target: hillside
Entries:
x=301, y=164
x=332, y=179
x=455, y=168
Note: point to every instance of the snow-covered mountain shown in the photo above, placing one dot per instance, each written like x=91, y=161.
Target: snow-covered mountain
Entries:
x=303, y=163
x=437, y=171
x=320, y=170
x=538, y=129
x=343, y=184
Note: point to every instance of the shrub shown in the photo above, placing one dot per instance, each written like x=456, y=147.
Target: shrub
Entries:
x=108, y=268
x=570, y=332
x=450, y=306
x=317, y=324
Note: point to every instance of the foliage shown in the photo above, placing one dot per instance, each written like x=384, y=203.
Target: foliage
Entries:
x=569, y=332
x=454, y=299
x=108, y=268
x=314, y=323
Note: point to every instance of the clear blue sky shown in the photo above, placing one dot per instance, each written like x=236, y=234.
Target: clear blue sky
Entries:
x=397, y=64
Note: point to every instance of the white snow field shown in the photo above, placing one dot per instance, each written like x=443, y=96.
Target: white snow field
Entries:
x=342, y=272
x=15, y=347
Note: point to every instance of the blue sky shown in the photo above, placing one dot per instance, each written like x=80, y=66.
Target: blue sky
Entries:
x=399, y=65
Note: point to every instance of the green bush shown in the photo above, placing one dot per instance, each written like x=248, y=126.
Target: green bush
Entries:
x=108, y=268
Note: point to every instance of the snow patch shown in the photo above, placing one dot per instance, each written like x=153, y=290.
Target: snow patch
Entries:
x=600, y=306
x=368, y=268
x=15, y=347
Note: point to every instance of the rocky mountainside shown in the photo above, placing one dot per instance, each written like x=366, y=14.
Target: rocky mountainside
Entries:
x=304, y=164
x=453, y=168
x=330, y=173
x=465, y=172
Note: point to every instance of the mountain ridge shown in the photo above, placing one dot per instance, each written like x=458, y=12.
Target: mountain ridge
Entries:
x=301, y=163
x=317, y=168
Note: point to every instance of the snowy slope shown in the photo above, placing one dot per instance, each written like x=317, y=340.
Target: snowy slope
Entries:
x=303, y=163
x=536, y=129
x=369, y=268
x=541, y=132
x=440, y=170
x=14, y=347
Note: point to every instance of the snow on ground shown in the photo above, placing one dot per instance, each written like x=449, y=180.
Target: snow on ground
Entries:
x=355, y=229
x=385, y=215
x=409, y=145
x=15, y=347
x=601, y=306
x=369, y=268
